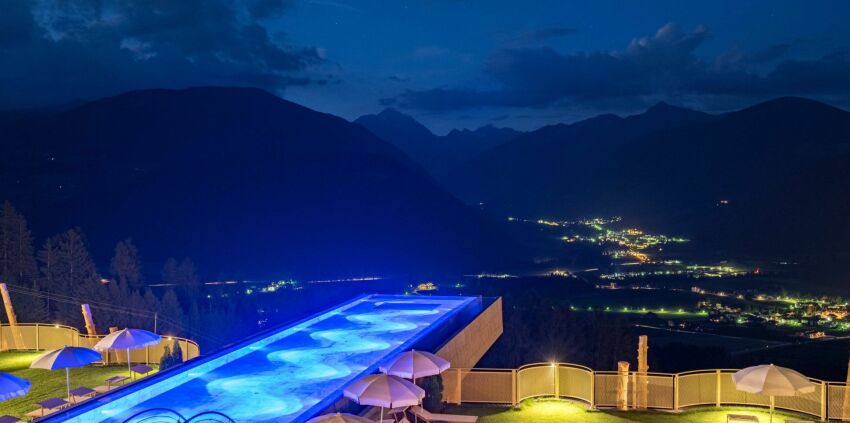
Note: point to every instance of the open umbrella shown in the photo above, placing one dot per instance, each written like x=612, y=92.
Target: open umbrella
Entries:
x=127, y=339
x=339, y=418
x=12, y=386
x=771, y=380
x=384, y=391
x=415, y=364
x=66, y=358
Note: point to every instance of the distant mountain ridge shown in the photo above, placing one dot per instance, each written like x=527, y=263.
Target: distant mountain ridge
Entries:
x=438, y=154
x=245, y=183
x=775, y=163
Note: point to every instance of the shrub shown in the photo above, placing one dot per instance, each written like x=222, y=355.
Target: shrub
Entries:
x=433, y=386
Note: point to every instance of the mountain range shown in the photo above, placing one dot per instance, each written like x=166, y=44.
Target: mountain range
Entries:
x=438, y=154
x=243, y=182
x=769, y=179
x=251, y=185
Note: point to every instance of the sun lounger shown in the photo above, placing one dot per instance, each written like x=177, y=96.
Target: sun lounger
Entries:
x=110, y=384
x=141, y=370
x=81, y=394
x=48, y=407
x=429, y=417
x=741, y=418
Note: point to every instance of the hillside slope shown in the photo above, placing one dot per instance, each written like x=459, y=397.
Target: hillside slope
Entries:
x=244, y=182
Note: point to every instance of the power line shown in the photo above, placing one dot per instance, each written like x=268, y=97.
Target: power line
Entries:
x=66, y=299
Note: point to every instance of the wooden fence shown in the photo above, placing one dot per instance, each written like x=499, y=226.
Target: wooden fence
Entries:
x=40, y=336
x=665, y=391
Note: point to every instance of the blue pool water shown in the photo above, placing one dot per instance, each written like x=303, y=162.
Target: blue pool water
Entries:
x=289, y=374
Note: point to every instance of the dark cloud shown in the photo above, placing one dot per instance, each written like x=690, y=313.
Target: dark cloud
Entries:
x=661, y=65
x=79, y=49
x=397, y=78
x=536, y=36
x=738, y=60
x=261, y=9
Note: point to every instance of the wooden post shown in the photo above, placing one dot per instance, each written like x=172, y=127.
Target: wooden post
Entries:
x=824, y=394
x=642, y=379
x=17, y=338
x=676, y=392
x=90, y=329
x=513, y=387
x=459, y=387
x=592, y=390
x=717, y=399
x=623, y=385
x=556, y=379
x=845, y=409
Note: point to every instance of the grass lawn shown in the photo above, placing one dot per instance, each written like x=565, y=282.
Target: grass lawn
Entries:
x=552, y=411
x=48, y=384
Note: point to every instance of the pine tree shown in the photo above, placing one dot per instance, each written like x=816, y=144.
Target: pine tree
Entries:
x=165, y=359
x=47, y=257
x=170, y=272
x=70, y=271
x=177, y=353
x=184, y=279
x=170, y=311
x=18, y=265
x=125, y=267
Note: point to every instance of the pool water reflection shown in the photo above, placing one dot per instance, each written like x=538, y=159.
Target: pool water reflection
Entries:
x=281, y=377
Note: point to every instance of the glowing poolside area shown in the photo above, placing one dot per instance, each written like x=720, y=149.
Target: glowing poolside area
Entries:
x=289, y=374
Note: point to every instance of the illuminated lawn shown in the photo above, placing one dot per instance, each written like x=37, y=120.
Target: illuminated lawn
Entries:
x=552, y=411
x=48, y=384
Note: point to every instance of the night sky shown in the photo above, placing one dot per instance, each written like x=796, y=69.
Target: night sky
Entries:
x=448, y=63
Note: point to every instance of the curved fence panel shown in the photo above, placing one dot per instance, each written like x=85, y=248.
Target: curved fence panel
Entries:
x=605, y=389
x=487, y=386
x=697, y=389
x=731, y=396
x=660, y=391
x=804, y=403
x=838, y=398
x=536, y=380
x=575, y=382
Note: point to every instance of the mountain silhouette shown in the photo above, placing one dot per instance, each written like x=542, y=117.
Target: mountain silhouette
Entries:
x=776, y=167
x=243, y=182
x=437, y=154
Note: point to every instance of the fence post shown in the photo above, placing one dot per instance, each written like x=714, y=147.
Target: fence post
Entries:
x=676, y=392
x=556, y=379
x=717, y=400
x=513, y=387
x=824, y=397
x=592, y=389
x=459, y=387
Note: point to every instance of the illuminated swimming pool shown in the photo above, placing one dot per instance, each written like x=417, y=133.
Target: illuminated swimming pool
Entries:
x=289, y=374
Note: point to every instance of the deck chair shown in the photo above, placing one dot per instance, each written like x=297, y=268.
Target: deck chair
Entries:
x=426, y=416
